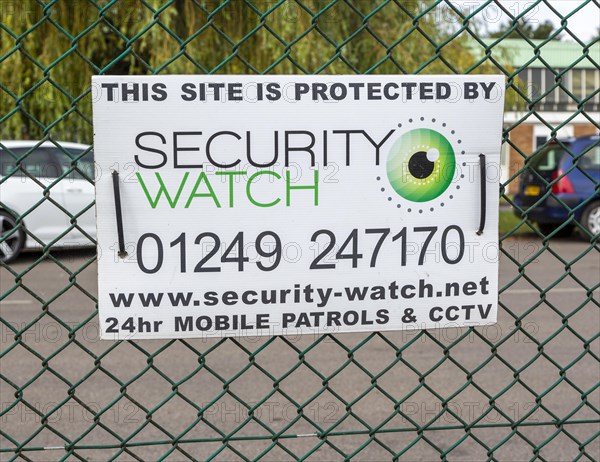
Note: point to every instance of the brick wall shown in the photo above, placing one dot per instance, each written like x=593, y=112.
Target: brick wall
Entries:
x=585, y=129
x=522, y=137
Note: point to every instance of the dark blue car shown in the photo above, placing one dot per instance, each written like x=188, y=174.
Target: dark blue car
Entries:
x=561, y=177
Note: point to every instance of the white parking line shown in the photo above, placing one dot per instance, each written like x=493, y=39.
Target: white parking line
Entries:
x=564, y=290
x=16, y=302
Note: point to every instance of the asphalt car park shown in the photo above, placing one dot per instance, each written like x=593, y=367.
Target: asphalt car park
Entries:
x=57, y=295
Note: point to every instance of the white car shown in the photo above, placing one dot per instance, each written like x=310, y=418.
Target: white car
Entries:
x=30, y=189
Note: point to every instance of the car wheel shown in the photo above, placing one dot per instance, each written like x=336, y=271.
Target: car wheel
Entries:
x=548, y=228
x=13, y=239
x=591, y=219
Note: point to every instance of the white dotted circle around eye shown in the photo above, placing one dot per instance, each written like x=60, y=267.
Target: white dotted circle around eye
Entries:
x=462, y=153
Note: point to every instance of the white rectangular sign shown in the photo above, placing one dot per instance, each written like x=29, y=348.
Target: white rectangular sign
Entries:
x=270, y=205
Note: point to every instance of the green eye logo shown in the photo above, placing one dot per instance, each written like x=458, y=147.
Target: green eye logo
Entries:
x=421, y=165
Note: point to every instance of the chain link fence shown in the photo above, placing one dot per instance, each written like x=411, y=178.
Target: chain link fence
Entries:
x=525, y=389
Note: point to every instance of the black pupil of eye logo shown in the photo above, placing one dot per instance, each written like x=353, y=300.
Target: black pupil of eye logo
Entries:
x=420, y=166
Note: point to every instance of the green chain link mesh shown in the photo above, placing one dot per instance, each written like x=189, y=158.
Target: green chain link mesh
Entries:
x=371, y=396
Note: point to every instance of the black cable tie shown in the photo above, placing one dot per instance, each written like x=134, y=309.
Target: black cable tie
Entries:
x=483, y=198
x=115, y=176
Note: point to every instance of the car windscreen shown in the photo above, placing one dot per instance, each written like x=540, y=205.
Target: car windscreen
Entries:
x=84, y=164
x=590, y=160
x=548, y=159
x=28, y=162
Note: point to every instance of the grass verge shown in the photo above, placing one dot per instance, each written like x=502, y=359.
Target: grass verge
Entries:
x=508, y=221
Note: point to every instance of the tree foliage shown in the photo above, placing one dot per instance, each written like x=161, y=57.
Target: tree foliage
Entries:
x=530, y=30
x=49, y=53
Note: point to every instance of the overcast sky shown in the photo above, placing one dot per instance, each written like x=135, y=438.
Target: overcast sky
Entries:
x=584, y=23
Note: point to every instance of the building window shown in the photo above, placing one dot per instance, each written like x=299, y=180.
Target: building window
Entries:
x=581, y=83
x=577, y=77
x=539, y=141
x=550, y=82
x=563, y=96
x=591, y=83
x=535, y=83
x=585, y=83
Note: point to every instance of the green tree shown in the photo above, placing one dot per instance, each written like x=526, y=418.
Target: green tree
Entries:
x=49, y=53
x=541, y=31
